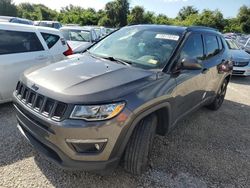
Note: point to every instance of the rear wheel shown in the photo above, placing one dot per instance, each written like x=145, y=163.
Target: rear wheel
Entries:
x=216, y=104
x=136, y=156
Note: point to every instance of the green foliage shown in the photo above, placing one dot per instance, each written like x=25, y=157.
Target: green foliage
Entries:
x=162, y=19
x=139, y=16
x=117, y=12
x=136, y=15
x=244, y=19
x=36, y=12
x=7, y=8
x=211, y=19
x=186, y=11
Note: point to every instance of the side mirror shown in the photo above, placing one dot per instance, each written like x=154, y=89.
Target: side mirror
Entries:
x=190, y=64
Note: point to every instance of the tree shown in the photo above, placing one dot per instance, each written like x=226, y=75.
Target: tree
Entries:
x=7, y=8
x=186, y=11
x=122, y=12
x=162, y=19
x=149, y=17
x=211, y=19
x=117, y=12
x=232, y=25
x=244, y=18
x=136, y=16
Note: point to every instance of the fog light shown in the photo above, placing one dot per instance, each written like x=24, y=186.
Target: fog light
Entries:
x=87, y=146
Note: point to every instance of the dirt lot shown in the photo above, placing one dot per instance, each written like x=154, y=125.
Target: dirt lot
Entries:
x=207, y=149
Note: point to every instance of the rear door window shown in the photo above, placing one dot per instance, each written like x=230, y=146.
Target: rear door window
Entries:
x=19, y=42
x=212, y=46
x=193, y=48
x=50, y=39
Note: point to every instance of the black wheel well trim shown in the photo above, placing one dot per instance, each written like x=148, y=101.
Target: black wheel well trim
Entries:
x=226, y=77
x=164, y=126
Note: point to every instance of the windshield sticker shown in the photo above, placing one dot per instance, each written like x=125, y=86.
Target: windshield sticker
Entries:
x=167, y=37
x=153, y=61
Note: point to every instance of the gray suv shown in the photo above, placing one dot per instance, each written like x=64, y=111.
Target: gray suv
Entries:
x=104, y=107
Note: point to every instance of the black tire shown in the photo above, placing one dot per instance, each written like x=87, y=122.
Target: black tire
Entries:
x=136, y=156
x=217, y=102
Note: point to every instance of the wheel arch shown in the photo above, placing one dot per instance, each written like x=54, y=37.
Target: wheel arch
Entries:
x=163, y=113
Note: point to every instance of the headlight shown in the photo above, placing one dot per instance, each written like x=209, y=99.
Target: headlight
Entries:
x=97, y=112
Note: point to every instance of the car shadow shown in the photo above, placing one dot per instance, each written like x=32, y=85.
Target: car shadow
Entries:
x=13, y=146
x=240, y=80
x=213, y=146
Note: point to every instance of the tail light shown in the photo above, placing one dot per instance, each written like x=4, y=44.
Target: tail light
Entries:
x=69, y=51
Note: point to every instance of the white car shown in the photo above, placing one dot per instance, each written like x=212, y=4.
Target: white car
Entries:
x=24, y=46
x=79, y=38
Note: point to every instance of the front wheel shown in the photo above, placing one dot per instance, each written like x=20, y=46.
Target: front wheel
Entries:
x=216, y=104
x=138, y=148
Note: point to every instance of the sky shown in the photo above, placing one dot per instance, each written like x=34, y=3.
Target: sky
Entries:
x=229, y=8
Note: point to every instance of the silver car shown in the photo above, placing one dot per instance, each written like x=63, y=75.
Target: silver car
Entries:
x=241, y=59
x=79, y=38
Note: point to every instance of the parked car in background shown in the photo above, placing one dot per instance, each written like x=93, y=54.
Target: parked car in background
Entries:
x=106, y=106
x=15, y=20
x=79, y=38
x=240, y=58
x=110, y=30
x=23, y=46
x=72, y=25
x=246, y=46
x=52, y=24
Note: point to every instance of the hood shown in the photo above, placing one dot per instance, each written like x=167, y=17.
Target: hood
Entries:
x=239, y=55
x=77, y=46
x=86, y=79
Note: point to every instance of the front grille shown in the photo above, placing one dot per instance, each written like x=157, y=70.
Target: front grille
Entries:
x=240, y=64
x=238, y=72
x=41, y=104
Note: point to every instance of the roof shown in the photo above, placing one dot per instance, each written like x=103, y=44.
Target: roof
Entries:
x=170, y=27
x=181, y=28
x=24, y=27
x=48, y=21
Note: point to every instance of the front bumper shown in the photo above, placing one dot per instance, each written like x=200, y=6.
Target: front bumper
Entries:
x=49, y=138
x=241, y=71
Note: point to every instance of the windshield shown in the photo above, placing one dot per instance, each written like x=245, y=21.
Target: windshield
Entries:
x=76, y=35
x=145, y=47
x=232, y=45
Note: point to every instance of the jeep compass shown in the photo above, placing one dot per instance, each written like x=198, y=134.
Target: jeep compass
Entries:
x=104, y=106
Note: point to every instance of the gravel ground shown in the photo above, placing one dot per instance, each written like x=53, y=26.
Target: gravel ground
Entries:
x=207, y=149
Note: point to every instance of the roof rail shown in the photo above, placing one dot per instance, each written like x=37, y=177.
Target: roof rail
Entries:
x=201, y=27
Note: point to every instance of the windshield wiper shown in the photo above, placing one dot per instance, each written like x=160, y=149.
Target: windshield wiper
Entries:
x=110, y=58
x=121, y=61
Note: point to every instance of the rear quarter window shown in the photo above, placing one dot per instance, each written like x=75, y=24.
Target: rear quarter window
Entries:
x=50, y=39
x=212, y=46
x=19, y=42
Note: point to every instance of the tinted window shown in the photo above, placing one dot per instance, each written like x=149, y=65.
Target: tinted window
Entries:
x=56, y=25
x=220, y=43
x=19, y=42
x=211, y=45
x=50, y=39
x=193, y=47
x=45, y=24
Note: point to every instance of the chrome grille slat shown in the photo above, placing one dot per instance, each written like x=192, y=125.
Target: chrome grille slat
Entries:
x=41, y=104
x=51, y=114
